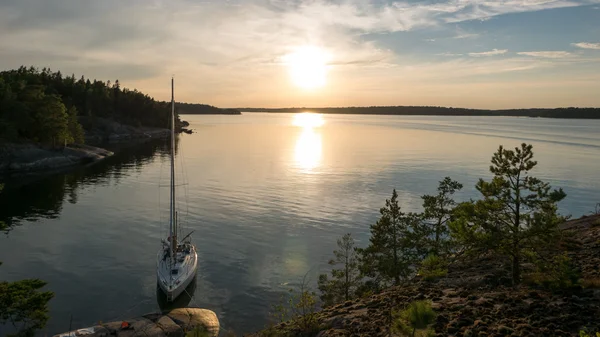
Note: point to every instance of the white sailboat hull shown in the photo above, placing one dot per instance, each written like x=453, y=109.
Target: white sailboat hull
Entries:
x=174, y=279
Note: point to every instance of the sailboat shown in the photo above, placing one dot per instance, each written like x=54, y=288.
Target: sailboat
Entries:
x=177, y=260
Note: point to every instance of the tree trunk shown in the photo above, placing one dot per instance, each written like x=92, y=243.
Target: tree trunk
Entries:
x=516, y=269
x=414, y=330
x=347, y=285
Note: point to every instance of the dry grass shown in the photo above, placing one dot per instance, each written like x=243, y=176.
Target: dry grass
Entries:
x=593, y=283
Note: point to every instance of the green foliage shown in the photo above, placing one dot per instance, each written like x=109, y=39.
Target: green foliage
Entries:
x=75, y=129
x=517, y=215
x=43, y=106
x=300, y=307
x=557, y=273
x=24, y=306
x=417, y=316
x=583, y=333
x=433, y=267
x=392, y=249
x=345, y=281
x=437, y=214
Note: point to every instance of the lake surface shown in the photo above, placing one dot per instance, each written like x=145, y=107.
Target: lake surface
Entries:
x=267, y=199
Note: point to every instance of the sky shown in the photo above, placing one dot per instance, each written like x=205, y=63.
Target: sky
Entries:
x=315, y=53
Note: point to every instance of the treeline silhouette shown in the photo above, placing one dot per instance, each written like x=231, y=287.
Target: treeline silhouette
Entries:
x=587, y=113
x=43, y=106
x=203, y=109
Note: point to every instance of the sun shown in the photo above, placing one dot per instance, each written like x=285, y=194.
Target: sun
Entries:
x=308, y=67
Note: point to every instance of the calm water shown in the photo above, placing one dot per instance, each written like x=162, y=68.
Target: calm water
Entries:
x=266, y=198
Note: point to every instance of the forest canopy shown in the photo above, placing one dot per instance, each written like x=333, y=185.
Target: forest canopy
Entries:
x=42, y=106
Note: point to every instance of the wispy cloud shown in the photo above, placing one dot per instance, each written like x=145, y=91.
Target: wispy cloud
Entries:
x=466, y=36
x=493, y=52
x=449, y=54
x=546, y=54
x=587, y=45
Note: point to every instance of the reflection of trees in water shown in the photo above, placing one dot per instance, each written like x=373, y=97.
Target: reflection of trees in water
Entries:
x=31, y=198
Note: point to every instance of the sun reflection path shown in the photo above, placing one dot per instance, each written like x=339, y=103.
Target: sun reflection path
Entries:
x=309, y=145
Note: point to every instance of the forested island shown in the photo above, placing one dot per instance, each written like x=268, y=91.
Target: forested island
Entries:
x=203, y=109
x=583, y=113
x=46, y=117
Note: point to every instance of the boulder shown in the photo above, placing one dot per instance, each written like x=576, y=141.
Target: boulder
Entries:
x=190, y=318
x=169, y=328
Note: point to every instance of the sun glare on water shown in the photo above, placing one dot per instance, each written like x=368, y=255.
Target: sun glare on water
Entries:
x=308, y=67
x=309, y=145
x=308, y=120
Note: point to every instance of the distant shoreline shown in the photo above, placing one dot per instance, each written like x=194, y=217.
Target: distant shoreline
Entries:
x=564, y=113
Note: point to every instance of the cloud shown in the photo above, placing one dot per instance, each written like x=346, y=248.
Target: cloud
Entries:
x=466, y=36
x=492, y=52
x=546, y=54
x=449, y=54
x=587, y=45
x=223, y=50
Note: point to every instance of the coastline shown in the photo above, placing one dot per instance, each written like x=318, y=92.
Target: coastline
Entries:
x=18, y=159
x=556, y=113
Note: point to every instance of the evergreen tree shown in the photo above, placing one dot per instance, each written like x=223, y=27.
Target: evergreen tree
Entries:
x=517, y=216
x=75, y=129
x=390, y=253
x=437, y=213
x=346, y=280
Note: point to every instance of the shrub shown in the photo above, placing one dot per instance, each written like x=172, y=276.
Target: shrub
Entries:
x=433, y=267
x=300, y=307
x=415, y=318
x=585, y=334
x=558, y=273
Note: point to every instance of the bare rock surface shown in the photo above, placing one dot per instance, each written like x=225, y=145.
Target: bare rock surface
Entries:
x=175, y=323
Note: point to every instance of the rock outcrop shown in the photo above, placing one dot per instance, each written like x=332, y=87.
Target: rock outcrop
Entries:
x=99, y=130
x=26, y=158
x=175, y=323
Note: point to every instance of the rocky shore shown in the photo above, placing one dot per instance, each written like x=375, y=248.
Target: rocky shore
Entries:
x=30, y=158
x=102, y=130
x=175, y=323
x=476, y=300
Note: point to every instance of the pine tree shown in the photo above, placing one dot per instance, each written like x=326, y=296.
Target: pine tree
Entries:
x=437, y=213
x=390, y=253
x=517, y=216
x=75, y=129
x=344, y=281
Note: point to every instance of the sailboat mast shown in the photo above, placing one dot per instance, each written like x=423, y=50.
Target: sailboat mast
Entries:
x=172, y=223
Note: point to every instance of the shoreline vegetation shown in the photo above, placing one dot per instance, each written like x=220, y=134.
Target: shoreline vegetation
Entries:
x=506, y=264
x=571, y=112
x=45, y=118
